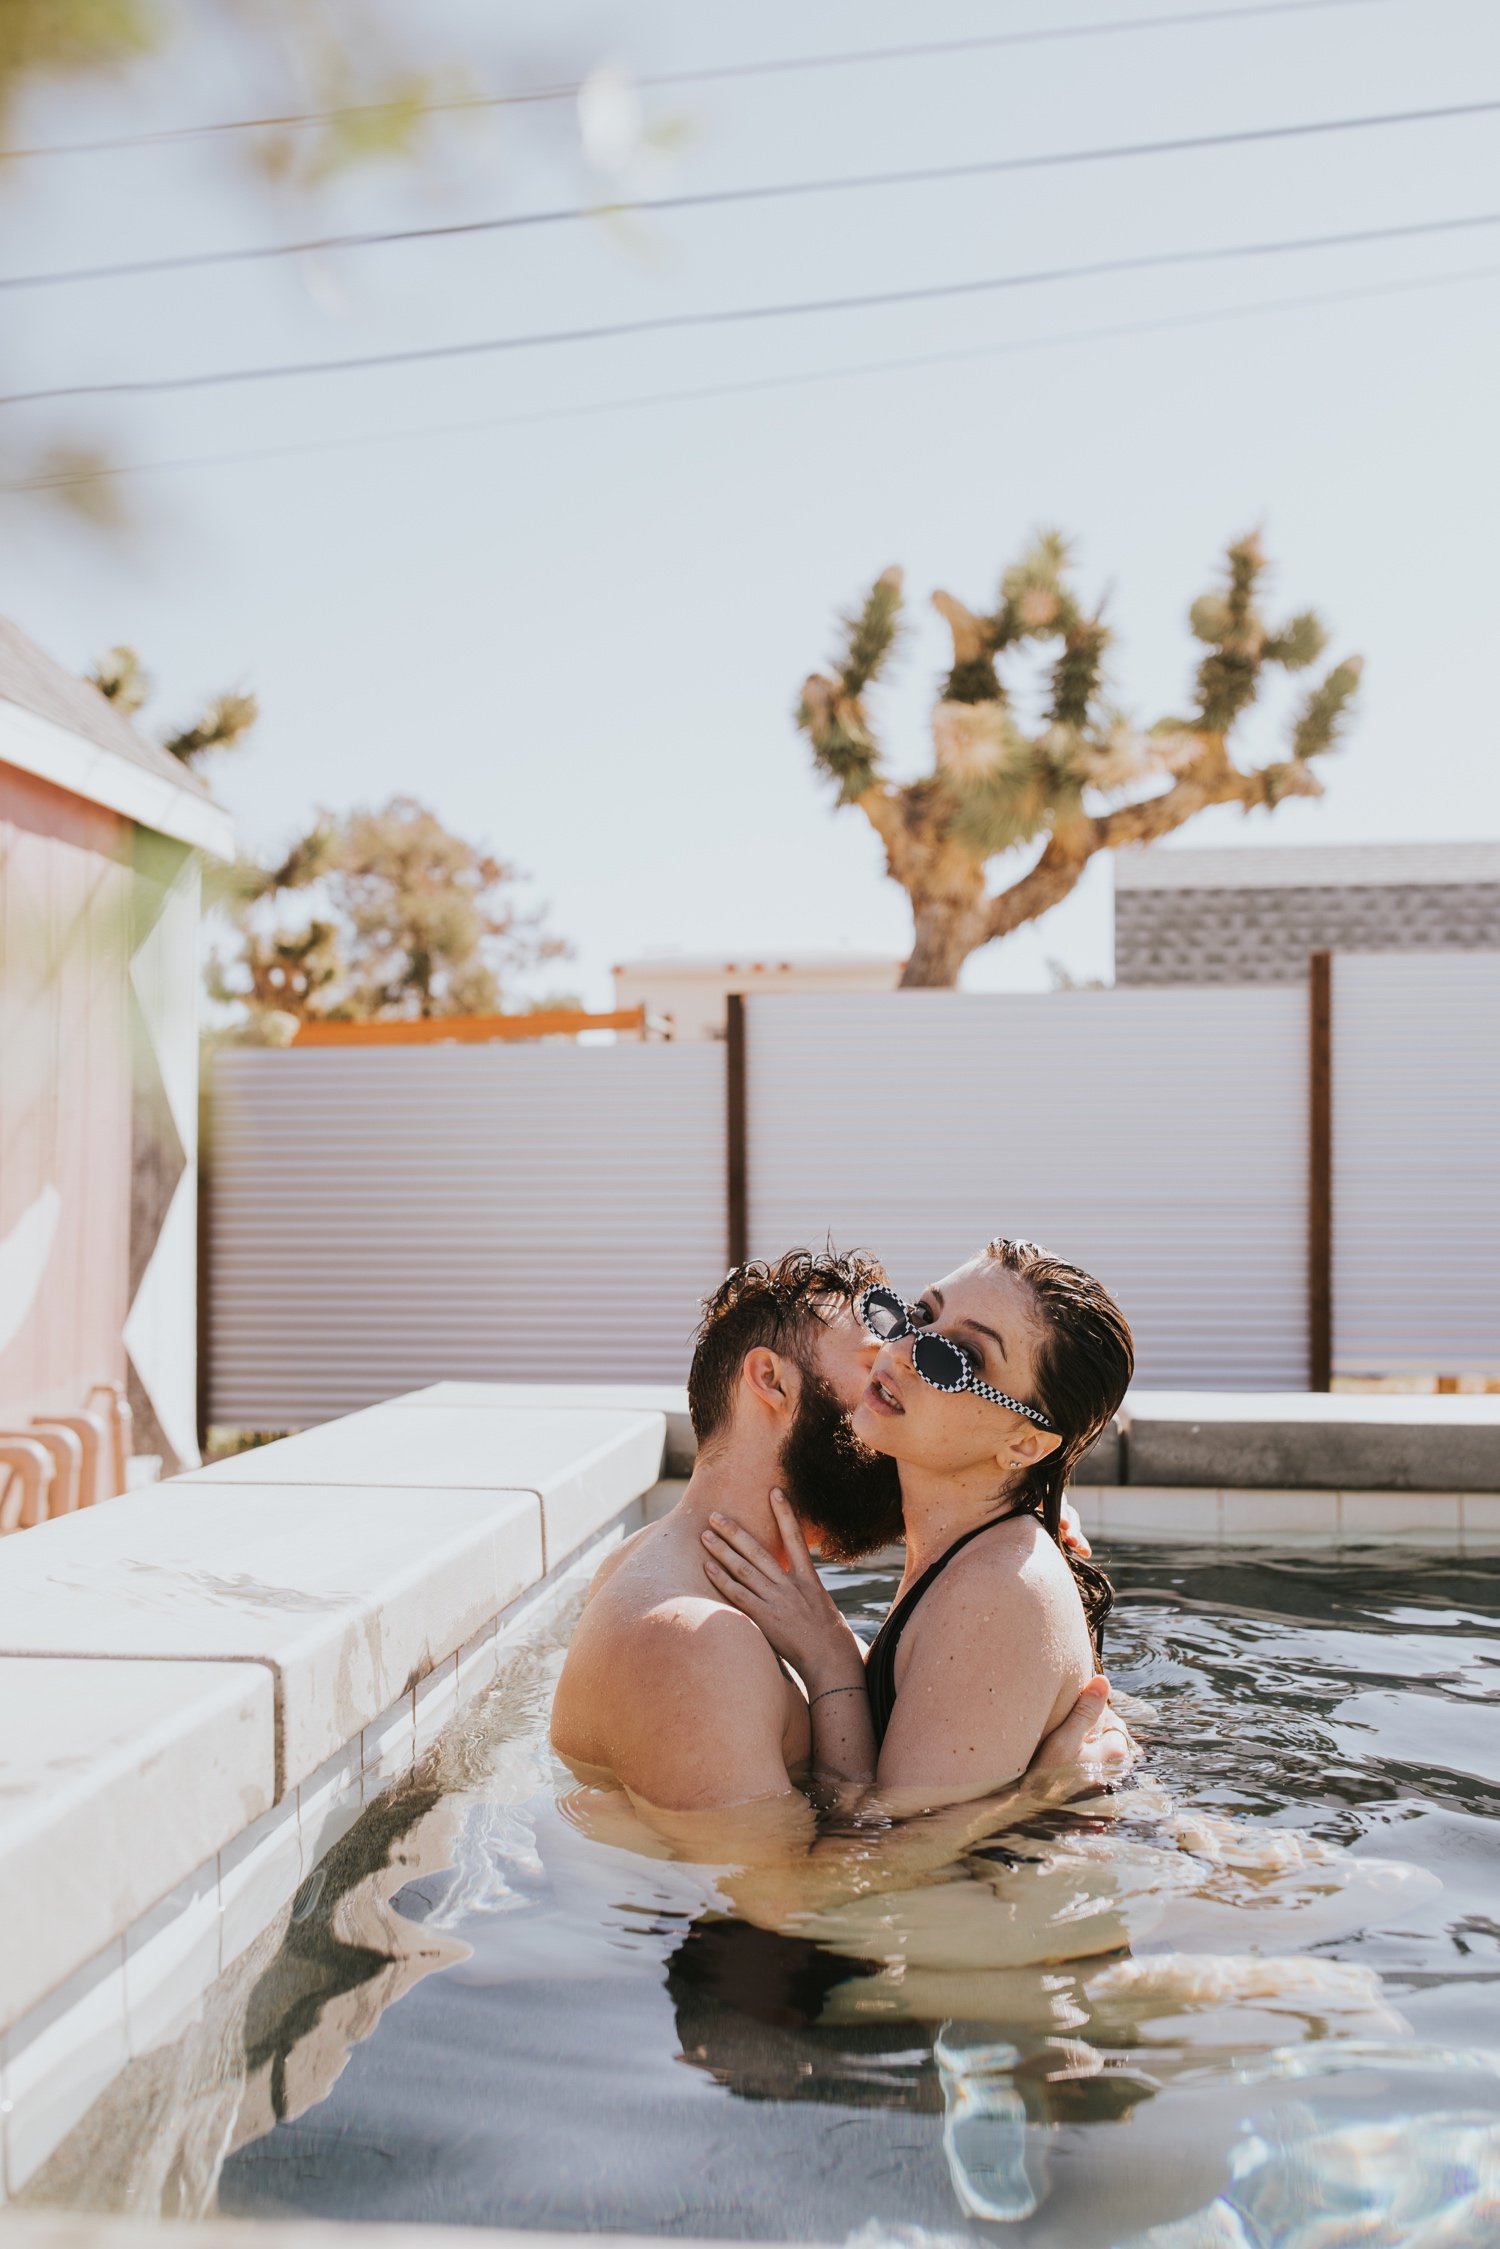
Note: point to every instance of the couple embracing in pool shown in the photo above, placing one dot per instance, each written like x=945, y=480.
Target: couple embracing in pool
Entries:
x=711, y=1670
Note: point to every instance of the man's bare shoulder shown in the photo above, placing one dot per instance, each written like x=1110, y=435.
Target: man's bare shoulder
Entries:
x=678, y=1696
x=648, y=1634
x=627, y=1550
x=702, y=1638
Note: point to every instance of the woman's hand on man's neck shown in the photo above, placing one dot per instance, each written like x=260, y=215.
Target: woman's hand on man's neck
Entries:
x=736, y=1481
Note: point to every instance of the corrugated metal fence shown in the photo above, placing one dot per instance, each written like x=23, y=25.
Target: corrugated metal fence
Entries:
x=380, y=1218
x=1156, y=1137
x=383, y=1217
x=1416, y=1163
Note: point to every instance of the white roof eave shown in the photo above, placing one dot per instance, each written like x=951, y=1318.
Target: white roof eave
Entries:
x=54, y=753
x=1308, y=866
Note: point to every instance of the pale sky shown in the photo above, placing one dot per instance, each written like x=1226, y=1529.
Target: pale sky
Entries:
x=580, y=638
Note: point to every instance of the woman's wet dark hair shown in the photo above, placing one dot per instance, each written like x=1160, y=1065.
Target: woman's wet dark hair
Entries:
x=1083, y=1370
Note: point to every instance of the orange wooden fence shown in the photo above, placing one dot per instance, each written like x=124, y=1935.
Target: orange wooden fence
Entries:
x=471, y=1030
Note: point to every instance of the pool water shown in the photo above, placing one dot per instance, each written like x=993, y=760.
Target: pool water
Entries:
x=1253, y=1999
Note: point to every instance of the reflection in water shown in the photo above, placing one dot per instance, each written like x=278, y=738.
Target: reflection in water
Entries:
x=984, y=2130
x=1183, y=2017
x=725, y=1969
x=346, y=1957
x=273, y=2033
x=349, y=1954
x=1413, y=2182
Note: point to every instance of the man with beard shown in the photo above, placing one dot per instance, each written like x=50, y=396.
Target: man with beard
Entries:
x=668, y=1689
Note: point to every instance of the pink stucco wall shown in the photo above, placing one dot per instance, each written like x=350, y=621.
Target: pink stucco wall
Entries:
x=65, y=1096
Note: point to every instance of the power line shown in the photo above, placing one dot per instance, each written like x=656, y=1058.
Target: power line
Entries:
x=1171, y=321
x=735, y=315
x=712, y=74
x=775, y=191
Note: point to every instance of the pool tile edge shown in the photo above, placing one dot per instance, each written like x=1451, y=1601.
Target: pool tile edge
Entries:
x=1307, y=1520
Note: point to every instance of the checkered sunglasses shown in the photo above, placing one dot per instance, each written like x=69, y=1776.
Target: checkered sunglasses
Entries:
x=941, y=1362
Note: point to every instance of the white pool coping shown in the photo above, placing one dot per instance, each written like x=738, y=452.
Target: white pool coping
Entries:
x=1341, y=1441
x=203, y=1684
x=142, y=1989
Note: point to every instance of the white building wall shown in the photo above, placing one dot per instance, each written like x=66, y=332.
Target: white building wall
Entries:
x=161, y=1327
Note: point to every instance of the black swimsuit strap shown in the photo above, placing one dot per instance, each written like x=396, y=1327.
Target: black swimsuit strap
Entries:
x=880, y=1664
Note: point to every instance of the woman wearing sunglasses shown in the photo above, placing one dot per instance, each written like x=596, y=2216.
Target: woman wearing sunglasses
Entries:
x=986, y=1391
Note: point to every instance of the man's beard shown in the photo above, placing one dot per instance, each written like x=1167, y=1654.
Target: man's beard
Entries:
x=846, y=1497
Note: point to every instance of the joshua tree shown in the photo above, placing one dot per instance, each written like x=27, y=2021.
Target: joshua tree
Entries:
x=1085, y=779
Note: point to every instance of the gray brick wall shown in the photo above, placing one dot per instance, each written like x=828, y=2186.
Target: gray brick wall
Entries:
x=1199, y=936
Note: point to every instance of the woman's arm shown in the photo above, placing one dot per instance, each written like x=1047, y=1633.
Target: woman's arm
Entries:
x=985, y=1662
x=794, y=1610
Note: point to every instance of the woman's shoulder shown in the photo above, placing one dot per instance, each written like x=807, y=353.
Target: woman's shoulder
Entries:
x=1005, y=1613
x=1015, y=1555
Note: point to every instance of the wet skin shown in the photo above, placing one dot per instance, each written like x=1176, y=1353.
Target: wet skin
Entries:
x=670, y=1689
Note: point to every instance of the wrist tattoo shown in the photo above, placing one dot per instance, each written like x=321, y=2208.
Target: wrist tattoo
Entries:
x=827, y=1691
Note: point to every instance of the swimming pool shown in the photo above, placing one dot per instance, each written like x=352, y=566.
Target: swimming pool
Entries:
x=1254, y=2001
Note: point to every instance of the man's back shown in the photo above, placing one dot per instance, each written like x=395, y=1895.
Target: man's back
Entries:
x=670, y=1691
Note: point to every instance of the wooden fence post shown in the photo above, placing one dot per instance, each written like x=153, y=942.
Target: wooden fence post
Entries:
x=203, y=1326
x=736, y=1151
x=1320, y=1172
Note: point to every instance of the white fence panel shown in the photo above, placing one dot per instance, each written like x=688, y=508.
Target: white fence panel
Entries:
x=383, y=1217
x=1156, y=1137
x=1416, y=1163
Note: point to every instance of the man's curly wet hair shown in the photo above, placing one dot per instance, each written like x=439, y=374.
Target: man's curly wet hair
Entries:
x=774, y=1306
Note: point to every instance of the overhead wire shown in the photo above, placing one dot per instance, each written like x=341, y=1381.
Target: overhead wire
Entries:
x=739, y=315
x=708, y=74
x=704, y=199
x=756, y=383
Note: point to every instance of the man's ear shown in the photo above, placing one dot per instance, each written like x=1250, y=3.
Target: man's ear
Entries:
x=1028, y=1446
x=768, y=1378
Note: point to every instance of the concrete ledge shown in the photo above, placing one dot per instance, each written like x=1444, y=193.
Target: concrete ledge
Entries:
x=1273, y=1440
x=578, y=1461
x=346, y=1596
x=665, y=1398
x=117, y=1777
x=207, y=1678
x=147, y=1986
x=1104, y=1462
